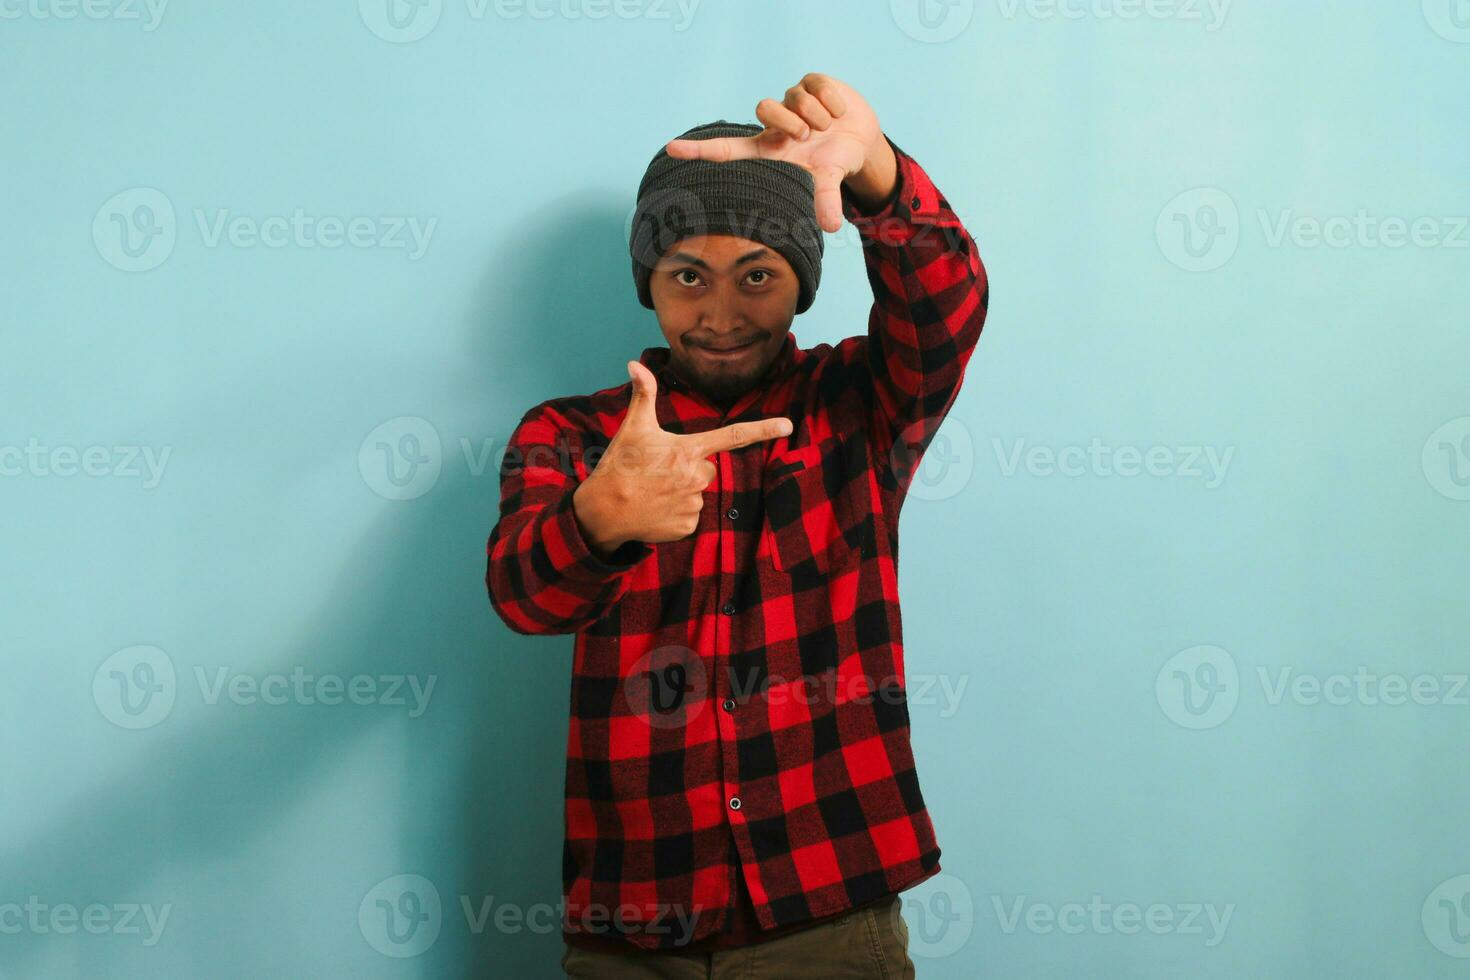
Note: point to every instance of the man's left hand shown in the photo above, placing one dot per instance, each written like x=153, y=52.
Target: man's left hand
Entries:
x=824, y=126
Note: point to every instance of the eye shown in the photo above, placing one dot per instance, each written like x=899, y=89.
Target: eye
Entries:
x=683, y=272
x=762, y=273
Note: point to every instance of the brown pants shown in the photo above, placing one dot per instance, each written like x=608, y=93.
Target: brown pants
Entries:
x=865, y=944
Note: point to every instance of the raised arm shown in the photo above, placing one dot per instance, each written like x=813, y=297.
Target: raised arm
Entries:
x=930, y=297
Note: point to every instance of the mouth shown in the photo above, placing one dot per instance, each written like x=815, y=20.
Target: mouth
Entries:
x=726, y=353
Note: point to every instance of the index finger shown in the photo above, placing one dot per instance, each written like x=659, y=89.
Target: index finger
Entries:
x=735, y=436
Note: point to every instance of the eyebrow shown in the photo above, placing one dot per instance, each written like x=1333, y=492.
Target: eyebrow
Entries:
x=760, y=253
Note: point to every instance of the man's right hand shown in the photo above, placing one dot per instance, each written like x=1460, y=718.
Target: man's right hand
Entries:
x=649, y=484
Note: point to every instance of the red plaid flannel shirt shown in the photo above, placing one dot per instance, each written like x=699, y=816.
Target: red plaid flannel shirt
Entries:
x=737, y=698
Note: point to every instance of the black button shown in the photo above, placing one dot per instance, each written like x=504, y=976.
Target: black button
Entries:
x=729, y=704
x=734, y=802
x=729, y=609
x=915, y=202
x=732, y=513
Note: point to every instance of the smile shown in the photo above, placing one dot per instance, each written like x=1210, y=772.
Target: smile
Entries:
x=728, y=354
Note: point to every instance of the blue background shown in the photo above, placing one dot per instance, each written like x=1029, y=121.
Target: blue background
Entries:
x=1115, y=645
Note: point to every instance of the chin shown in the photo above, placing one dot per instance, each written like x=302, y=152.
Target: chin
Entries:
x=726, y=386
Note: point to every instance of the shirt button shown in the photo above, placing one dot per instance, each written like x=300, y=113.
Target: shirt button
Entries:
x=915, y=202
x=734, y=802
x=728, y=609
x=732, y=513
x=728, y=704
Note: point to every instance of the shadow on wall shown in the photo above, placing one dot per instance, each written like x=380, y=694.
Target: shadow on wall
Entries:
x=558, y=314
x=480, y=774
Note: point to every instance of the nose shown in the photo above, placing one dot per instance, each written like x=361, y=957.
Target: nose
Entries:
x=723, y=311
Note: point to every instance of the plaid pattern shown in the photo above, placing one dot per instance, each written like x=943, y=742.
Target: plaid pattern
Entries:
x=740, y=692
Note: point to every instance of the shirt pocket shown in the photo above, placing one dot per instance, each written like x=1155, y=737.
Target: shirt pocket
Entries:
x=804, y=517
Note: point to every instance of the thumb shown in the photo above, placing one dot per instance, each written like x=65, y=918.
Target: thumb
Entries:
x=827, y=194
x=641, y=414
x=720, y=149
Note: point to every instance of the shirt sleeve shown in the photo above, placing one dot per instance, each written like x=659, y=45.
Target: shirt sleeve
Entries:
x=930, y=298
x=542, y=576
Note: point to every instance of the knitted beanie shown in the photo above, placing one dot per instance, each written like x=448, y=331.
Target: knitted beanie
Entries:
x=768, y=201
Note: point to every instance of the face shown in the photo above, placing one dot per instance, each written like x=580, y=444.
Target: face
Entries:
x=725, y=305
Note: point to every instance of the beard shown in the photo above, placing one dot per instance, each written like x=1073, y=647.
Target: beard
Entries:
x=724, y=388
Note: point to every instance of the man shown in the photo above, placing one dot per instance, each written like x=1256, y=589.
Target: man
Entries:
x=721, y=532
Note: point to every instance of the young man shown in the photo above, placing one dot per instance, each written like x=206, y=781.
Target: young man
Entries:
x=721, y=532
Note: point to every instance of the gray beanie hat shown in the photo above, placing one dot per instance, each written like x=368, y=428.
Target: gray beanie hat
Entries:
x=768, y=201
